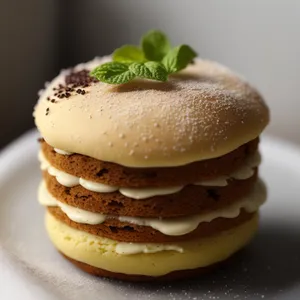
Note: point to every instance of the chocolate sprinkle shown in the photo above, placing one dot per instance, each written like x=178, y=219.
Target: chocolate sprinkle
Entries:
x=74, y=82
x=80, y=79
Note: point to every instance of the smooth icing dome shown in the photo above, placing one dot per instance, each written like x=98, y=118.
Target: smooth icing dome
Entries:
x=203, y=112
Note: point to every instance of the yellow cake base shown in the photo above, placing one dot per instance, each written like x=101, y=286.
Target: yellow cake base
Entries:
x=100, y=252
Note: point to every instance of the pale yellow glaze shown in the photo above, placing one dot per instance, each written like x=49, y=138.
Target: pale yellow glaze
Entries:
x=101, y=252
x=203, y=112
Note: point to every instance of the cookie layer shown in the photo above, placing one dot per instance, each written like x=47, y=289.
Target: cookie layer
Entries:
x=117, y=175
x=191, y=200
x=128, y=232
x=101, y=253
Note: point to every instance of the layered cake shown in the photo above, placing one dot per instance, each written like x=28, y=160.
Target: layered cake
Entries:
x=150, y=180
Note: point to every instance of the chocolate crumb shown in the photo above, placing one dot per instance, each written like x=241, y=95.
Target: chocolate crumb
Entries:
x=102, y=172
x=74, y=82
x=80, y=79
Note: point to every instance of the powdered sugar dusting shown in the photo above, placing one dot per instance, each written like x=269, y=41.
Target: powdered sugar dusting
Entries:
x=215, y=93
x=187, y=118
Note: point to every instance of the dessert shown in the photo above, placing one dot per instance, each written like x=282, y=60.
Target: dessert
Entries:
x=149, y=180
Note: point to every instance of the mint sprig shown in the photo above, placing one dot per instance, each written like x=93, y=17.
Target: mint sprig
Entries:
x=150, y=70
x=154, y=60
x=113, y=73
x=128, y=54
x=178, y=58
x=155, y=45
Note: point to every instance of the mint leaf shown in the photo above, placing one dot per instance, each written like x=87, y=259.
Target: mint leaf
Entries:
x=113, y=73
x=154, y=60
x=128, y=53
x=178, y=58
x=155, y=45
x=150, y=70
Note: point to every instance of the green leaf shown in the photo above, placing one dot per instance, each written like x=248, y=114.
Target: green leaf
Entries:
x=154, y=60
x=178, y=58
x=128, y=53
x=113, y=73
x=155, y=45
x=150, y=70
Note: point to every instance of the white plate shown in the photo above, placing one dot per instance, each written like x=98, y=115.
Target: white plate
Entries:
x=30, y=268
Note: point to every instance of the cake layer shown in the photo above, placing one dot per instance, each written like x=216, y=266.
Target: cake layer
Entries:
x=117, y=175
x=175, y=275
x=127, y=229
x=107, y=254
x=192, y=199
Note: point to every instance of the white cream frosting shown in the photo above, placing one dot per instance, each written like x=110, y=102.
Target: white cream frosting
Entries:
x=44, y=163
x=62, y=152
x=170, y=226
x=75, y=214
x=135, y=248
x=244, y=172
x=143, y=193
x=63, y=178
x=97, y=187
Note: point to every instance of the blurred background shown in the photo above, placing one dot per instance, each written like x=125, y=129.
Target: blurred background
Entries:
x=259, y=39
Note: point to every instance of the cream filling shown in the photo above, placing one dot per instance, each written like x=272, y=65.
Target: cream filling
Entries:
x=75, y=214
x=135, y=248
x=129, y=258
x=170, y=226
x=244, y=172
x=62, y=152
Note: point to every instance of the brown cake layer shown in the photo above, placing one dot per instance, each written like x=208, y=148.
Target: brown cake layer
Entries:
x=128, y=232
x=190, y=200
x=175, y=275
x=114, y=174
